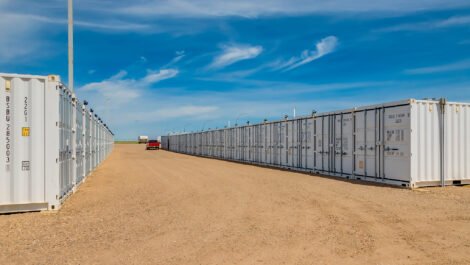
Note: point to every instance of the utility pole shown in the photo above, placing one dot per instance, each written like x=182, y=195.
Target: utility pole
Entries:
x=70, y=45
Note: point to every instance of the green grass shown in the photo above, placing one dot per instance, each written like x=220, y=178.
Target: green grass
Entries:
x=126, y=142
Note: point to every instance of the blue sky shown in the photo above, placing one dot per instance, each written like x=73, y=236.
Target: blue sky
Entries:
x=153, y=67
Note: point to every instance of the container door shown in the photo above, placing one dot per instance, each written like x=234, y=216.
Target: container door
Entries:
x=303, y=144
x=198, y=144
x=265, y=144
x=284, y=142
x=239, y=144
x=256, y=145
x=268, y=144
x=252, y=142
x=227, y=143
x=300, y=142
x=243, y=144
x=205, y=141
x=79, y=146
x=241, y=149
x=396, y=146
x=293, y=131
x=232, y=143
x=276, y=143
x=236, y=143
x=308, y=143
x=271, y=143
x=220, y=153
x=367, y=134
x=322, y=143
x=343, y=143
x=222, y=144
x=216, y=143
x=211, y=143
x=260, y=143
x=65, y=157
x=249, y=139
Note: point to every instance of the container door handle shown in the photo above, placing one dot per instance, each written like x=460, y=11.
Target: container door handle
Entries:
x=391, y=149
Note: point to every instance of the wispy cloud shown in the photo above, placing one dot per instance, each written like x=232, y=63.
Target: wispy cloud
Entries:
x=322, y=48
x=178, y=57
x=185, y=111
x=234, y=53
x=249, y=8
x=456, y=66
x=430, y=25
x=157, y=76
x=111, y=25
x=20, y=38
x=120, y=89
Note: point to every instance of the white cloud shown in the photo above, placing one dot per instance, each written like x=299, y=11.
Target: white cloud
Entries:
x=157, y=76
x=112, y=25
x=25, y=38
x=430, y=25
x=185, y=111
x=456, y=66
x=178, y=57
x=322, y=48
x=119, y=89
x=234, y=53
x=249, y=8
x=20, y=38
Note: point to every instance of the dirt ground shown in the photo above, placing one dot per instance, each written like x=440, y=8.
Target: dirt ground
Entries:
x=157, y=207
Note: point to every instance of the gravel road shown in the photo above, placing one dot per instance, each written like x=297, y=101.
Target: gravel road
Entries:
x=157, y=207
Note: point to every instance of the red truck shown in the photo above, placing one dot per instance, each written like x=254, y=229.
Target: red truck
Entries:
x=153, y=144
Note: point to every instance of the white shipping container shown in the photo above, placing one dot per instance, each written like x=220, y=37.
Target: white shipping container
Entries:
x=411, y=143
x=43, y=150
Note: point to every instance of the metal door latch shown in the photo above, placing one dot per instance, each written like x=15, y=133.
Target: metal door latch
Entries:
x=391, y=149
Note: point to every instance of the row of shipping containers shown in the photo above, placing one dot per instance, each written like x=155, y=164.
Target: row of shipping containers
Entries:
x=410, y=143
x=50, y=142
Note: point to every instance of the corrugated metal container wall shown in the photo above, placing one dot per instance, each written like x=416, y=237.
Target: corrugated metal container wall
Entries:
x=80, y=142
x=41, y=155
x=410, y=143
x=65, y=126
x=23, y=133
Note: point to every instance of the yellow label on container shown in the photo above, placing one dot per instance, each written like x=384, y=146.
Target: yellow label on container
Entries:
x=7, y=85
x=25, y=131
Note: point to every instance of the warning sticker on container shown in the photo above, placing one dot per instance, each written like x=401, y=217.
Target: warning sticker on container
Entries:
x=361, y=164
x=7, y=85
x=25, y=165
x=25, y=131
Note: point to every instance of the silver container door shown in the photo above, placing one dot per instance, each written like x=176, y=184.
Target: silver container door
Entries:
x=267, y=143
x=66, y=138
x=309, y=144
x=284, y=144
x=367, y=134
x=322, y=145
x=343, y=144
x=396, y=146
